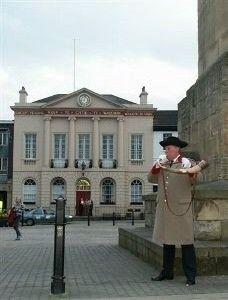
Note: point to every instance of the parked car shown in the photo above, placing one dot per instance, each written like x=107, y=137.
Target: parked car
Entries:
x=41, y=215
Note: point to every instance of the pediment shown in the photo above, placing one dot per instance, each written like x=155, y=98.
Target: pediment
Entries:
x=83, y=98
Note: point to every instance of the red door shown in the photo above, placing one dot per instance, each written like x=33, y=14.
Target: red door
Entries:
x=81, y=198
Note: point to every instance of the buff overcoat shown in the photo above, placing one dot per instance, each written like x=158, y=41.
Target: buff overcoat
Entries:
x=169, y=228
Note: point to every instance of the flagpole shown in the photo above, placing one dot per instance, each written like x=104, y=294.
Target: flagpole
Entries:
x=74, y=66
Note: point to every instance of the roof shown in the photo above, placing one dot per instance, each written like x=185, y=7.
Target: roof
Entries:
x=165, y=120
x=115, y=99
x=50, y=99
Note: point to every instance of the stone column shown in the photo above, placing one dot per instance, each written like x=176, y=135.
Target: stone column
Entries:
x=47, y=140
x=95, y=142
x=121, y=142
x=71, y=141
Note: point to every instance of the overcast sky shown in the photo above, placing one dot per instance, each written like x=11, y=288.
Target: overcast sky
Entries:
x=120, y=47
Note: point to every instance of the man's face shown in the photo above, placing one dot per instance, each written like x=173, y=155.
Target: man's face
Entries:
x=172, y=152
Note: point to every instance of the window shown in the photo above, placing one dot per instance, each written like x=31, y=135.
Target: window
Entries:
x=3, y=163
x=60, y=146
x=108, y=191
x=58, y=188
x=30, y=146
x=83, y=185
x=30, y=191
x=84, y=146
x=136, y=146
x=107, y=146
x=4, y=138
x=166, y=135
x=136, y=191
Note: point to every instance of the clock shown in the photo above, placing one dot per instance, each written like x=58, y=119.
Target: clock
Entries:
x=84, y=100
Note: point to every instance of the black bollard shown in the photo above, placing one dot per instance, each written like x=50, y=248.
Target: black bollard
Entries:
x=88, y=218
x=22, y=218
x=132, y=218
x=58, y=284
x=113, y=218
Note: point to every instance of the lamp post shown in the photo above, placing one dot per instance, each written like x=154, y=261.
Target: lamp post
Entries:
x=58, y=284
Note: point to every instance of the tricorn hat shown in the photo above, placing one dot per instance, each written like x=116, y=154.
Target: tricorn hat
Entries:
x=174, y=141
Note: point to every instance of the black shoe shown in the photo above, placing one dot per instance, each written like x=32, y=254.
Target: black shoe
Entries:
x=162, y=276
x=190, y=282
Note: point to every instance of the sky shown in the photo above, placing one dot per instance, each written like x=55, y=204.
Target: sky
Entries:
x=120, y=46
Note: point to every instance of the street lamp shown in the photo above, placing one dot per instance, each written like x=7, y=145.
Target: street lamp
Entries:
x=83, y=166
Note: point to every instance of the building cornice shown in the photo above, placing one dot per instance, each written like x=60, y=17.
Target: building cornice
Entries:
x=83, y=112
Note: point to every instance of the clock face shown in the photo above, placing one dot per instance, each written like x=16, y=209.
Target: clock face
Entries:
x=84, y=100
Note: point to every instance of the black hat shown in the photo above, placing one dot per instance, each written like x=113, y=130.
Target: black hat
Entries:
x=174, y=141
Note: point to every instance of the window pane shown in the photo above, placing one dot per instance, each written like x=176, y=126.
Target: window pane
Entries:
x=84, y=146
x=136, y=191
x=136, y=146
x=58, y=188
x=60, y=146
x=30, y=191
x=30, y=145
x=107, y=146
x=108, y=191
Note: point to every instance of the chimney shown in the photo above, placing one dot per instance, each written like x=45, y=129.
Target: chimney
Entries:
x=23, y=96
x=143, y=96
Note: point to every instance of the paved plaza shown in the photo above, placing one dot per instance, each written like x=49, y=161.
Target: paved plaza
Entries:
x=95, y=267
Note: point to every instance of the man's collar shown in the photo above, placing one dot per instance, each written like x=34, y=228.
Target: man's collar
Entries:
x=178, y=158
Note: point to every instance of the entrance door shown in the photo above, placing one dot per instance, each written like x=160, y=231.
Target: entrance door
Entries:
x=83, y=195
x=81, y=199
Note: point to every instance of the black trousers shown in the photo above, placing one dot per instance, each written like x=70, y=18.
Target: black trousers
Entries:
x=188, y=260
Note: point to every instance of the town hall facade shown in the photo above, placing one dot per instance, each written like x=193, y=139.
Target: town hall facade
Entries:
x=83, y=146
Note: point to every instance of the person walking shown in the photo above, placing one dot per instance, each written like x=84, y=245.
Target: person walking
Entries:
x=14, y=221
x=174, y=218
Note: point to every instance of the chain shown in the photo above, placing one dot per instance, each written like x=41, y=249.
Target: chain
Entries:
x=166, y=198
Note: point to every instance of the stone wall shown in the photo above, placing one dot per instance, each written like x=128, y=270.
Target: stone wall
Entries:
x=210, y=211
x=203, y=119
x=212, y=32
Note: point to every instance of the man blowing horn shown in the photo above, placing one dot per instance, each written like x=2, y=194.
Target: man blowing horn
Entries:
x=174, y=218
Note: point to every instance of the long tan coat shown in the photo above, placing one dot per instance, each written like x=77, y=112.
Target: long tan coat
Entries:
x=169, y=228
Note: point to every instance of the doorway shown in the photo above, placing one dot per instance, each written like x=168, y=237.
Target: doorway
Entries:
x=83, y=194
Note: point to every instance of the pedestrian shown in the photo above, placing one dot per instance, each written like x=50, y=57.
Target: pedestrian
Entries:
x=81, y=207
x=14, y=218
x=91, y=207
x=174, y=217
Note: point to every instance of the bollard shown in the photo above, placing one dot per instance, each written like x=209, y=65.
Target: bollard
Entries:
x=113, y=218
x=132, y=218
x=58, y=284
x=22, y=218
x=88, y=218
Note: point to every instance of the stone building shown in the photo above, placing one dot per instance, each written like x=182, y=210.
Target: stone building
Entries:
x=6, y=163
x=83, y=146
x=203, y=113
x=203, y=120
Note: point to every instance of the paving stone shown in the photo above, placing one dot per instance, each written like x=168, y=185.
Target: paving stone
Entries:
x=95, y=267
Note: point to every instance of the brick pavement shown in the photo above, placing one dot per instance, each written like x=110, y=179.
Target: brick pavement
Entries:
x=95, y=267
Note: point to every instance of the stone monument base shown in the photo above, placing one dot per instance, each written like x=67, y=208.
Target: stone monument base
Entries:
x=212, y=256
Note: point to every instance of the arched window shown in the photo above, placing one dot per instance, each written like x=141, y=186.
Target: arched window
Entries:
x=108, y=191
x=83, y=185
x=58, y=188
x=29, y=191
x=136, y=191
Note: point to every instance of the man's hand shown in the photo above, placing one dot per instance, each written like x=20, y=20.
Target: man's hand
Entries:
x=162, y=160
